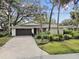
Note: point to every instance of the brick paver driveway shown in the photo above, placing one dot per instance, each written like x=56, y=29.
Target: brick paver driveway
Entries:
x=20, y=47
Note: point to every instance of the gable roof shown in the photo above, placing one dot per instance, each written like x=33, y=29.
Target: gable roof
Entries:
x=33, y=24
x=28, y=23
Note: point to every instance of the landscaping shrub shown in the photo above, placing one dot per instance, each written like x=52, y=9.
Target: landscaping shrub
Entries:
x=47, y=32
x=76, y=36
x=73, y=33
x=67, y=36
x=67, y=31
x=45, y=36
x=61, y=37
x=2, y=34
x=42, y=35
x=56, y=38
x=50, y=37
x=38, y=36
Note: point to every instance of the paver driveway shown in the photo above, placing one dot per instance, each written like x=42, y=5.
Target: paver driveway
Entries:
x=21, y=47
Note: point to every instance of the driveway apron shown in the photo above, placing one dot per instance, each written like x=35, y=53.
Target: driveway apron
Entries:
x=21, y=47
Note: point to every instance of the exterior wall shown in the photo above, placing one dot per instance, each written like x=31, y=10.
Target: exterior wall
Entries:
x=37, y=31
x=32, y=30
x=54, y=31
x=61, y=31
x=13, y=32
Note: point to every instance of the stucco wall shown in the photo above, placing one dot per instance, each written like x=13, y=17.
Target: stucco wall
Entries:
x=32, y=30
x=13, y=32
x=54, y=31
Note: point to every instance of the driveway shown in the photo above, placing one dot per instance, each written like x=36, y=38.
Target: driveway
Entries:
x=21, y=47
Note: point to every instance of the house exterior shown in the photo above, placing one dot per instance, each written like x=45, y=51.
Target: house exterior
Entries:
x=32, y=28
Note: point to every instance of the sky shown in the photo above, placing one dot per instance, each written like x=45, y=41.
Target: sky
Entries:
x=64, y=14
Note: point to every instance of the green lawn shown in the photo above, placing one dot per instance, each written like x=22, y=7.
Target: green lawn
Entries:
x=3, y=40
x=68, y=46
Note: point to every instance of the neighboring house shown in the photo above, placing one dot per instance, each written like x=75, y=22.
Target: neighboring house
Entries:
x=32, y=28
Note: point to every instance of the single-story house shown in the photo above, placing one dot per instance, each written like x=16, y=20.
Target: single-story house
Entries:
x=33, y=28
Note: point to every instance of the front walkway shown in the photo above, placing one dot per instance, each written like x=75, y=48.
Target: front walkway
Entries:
x=21, y=47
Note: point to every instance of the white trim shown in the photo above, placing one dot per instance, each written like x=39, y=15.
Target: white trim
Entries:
x=32, y=30
x=13, y=32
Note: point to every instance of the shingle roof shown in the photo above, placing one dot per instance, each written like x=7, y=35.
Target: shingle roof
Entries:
x=28, y=23
x=33, y=24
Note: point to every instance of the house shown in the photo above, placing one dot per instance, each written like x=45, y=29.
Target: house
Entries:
x=30, y=28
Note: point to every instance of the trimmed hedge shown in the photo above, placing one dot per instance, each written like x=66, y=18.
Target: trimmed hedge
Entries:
x=67, y=31
x=55, y=37
x=58, y=37
x=76, y=36
x=50, y=37
x=2, y=34
x=67, y=36
x=42, y=35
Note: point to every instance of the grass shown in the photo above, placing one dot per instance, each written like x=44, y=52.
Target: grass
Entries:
x=3, y=40
x=68, y=46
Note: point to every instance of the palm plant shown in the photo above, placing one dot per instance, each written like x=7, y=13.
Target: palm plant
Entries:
x=60, y=3
x=51, y=13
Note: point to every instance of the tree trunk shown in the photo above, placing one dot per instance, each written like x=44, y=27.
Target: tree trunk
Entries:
x=9, y=18
x=77, y=26
x=50, y=18
x=58, y=19
x=41, y=29
x=76, y=19
x=9, y=24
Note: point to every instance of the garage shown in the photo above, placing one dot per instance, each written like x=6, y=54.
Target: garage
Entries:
x=22, y=32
